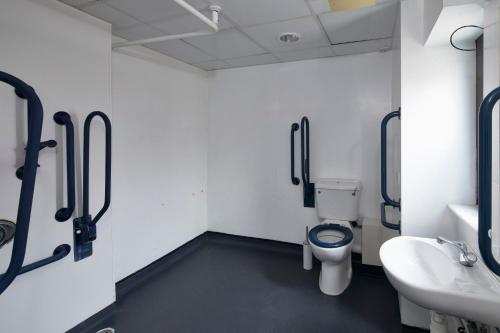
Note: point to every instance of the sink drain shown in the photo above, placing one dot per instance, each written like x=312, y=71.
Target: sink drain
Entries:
x=106, y=330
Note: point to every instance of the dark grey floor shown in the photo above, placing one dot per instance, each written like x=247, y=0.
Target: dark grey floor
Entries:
x=220, y=283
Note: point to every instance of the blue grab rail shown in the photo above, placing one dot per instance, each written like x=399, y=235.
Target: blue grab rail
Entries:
x=385, y=223
x=308, y=187
x=388, y=201
x=485, y=169
x=383, y=160
x=84, y=227
x=35, y=119
x=64, y=119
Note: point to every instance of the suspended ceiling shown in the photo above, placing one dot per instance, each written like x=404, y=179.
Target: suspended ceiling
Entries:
x=249, y=29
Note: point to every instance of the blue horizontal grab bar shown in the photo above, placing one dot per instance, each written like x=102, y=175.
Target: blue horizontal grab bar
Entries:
x=485, y=168
x=393, y=226
x=59, y=252
x=35, y=119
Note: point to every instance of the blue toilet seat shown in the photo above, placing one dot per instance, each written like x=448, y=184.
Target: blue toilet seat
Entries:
x=313, y=235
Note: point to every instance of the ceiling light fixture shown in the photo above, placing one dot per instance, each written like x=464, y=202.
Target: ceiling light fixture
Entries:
x=341, y=5
x=289, y=37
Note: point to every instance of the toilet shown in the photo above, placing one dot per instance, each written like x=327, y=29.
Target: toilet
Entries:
x=337, y=205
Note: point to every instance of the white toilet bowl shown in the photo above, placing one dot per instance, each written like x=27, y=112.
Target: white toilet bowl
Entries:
x=331, y=243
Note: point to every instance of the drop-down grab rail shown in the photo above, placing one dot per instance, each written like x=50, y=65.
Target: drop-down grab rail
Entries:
x=84, y=227
x=485, y=180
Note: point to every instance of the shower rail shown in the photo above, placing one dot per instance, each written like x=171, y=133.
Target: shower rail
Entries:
x=64, y=119
x=294, y=128
x=306, y=177
x=35, y=116
x=485, y=179
x=383, y=158
x=85, y=226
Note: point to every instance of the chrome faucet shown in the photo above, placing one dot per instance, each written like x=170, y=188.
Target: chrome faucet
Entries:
x=467, y=258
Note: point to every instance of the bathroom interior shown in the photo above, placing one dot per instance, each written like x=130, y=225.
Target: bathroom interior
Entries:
x=250, y=166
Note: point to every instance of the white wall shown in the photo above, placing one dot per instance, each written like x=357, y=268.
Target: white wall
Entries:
x=160, y=158
x=251, y=111
x=66, y=57
x=437, y=127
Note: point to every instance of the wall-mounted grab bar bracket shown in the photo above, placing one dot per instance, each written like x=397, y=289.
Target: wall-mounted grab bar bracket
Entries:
x=43, y=144
x=84, y=233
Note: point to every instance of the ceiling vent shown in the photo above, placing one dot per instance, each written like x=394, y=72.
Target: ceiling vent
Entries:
x=289, y=37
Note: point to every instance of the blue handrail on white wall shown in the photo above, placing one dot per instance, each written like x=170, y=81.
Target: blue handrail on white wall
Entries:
x=485, y=180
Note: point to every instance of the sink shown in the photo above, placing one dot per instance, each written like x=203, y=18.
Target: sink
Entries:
x=430, y=275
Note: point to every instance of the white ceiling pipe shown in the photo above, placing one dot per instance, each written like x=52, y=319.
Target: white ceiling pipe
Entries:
x=213, y=25
x=199, y=15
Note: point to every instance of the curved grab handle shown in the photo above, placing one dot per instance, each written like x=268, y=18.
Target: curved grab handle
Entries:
x=485, y=151
x=294, y=128
x=64, y=119
x=383, y=159
x=107, y=181
x=35, y=116
x=393, y=226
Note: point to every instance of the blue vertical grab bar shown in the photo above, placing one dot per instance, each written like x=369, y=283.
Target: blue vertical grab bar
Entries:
x=308, y=187
x=383, y=160
x=293, y=129
x=64, y=119
x=485, y=180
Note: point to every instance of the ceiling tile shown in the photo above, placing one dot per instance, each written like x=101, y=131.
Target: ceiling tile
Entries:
x=187, y=23
x=251, y=12
x=109, y=14
x=320, y=6
x=138, y=32
x=212, y=65
x=319, y=52
x=361, y=24
x=310, y=34
x=259, y=59
x=362, y=47
x=181, y=50
x=226, y=44
x=152, y=10
x=76, y=2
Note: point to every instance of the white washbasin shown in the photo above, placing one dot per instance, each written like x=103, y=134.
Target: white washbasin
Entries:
x=429, y=274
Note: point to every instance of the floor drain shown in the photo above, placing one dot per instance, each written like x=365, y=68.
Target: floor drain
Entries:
x=106, y=330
